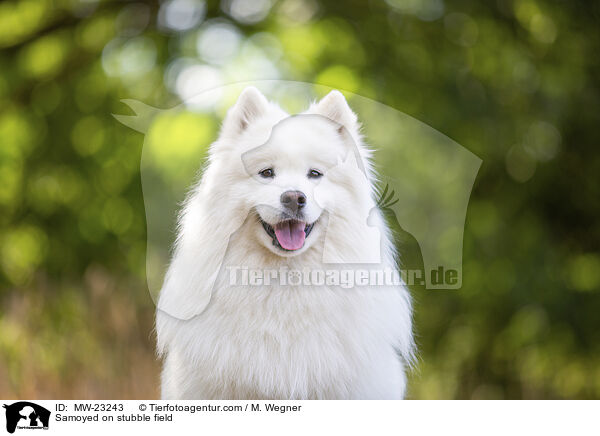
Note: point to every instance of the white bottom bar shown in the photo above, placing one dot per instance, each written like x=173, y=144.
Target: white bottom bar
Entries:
x=314, y=417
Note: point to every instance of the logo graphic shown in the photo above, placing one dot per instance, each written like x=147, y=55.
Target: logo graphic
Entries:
x=26, y=415
x=423, y=185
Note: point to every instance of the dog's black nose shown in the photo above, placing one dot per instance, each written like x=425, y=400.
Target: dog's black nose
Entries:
x=293, y=200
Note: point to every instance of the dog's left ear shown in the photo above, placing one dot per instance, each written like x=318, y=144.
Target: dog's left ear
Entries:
x=250, y=105
x=335, y=107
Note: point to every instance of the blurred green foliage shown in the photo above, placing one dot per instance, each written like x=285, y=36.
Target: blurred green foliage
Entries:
x=515, y=82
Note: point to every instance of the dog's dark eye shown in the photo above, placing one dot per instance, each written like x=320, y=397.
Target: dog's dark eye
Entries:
x=267, y=173
x=314, y=174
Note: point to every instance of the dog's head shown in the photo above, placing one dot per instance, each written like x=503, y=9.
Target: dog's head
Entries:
x=284, y=159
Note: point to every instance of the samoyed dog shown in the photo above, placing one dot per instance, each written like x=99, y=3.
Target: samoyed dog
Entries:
x=278, y=192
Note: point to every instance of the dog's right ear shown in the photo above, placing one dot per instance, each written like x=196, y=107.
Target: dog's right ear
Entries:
x=250, y=105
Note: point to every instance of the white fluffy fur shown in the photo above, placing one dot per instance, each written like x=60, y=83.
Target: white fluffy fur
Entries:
x=279, y=342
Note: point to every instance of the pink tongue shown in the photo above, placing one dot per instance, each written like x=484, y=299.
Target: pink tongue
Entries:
x=290, y=234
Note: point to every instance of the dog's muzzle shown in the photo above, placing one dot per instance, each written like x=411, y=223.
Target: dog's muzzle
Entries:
x=289, y=234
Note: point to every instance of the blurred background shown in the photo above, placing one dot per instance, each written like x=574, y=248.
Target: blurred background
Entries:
x=514, y=82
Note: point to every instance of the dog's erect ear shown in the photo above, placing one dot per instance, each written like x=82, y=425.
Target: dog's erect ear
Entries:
x=250, y=105
x=335, y=107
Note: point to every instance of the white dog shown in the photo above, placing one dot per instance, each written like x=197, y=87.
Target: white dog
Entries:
x=279, y=191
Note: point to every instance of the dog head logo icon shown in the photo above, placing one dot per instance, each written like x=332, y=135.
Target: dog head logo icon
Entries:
x=26, y=415
x=429, y=177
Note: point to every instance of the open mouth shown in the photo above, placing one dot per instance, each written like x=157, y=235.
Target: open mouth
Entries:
x=288, y=235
